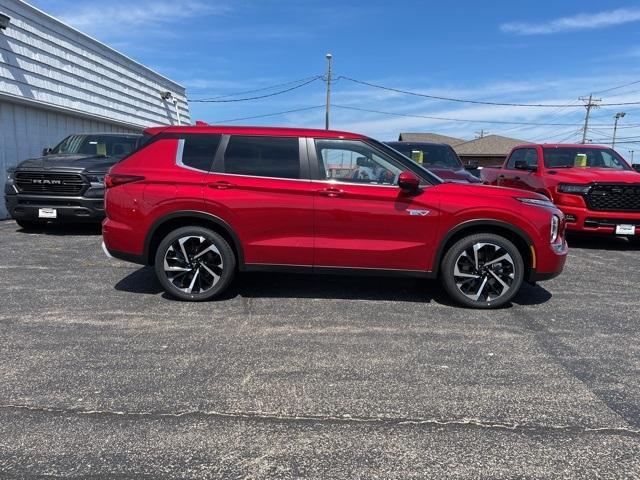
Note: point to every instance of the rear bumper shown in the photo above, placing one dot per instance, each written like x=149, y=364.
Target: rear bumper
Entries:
x=589, y=221
x=119, y=241
x=68, y=209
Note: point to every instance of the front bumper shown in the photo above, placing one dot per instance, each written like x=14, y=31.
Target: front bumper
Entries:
x=598, y=222
x=549, y=261
x=69, y=209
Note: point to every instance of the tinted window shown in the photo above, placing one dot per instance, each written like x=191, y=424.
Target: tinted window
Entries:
x=516, y=156
x=277, y=157
x=199, y=150
x=356, y=162
x=442, y=156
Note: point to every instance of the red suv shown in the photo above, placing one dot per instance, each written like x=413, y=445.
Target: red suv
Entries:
x=200, y=203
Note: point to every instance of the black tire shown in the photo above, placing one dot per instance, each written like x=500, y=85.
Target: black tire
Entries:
x=29, y=224
x=198, y=270
x=495, y=283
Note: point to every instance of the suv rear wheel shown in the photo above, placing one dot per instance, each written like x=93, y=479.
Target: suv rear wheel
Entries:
x=482, y=271
x=194, y=263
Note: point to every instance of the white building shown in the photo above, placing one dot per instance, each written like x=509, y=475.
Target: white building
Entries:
x=55, y=81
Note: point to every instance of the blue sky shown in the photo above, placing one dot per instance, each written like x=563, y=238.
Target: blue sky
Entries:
x=541, y=51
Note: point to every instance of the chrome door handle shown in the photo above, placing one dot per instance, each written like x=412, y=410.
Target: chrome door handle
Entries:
x=221, y=185
x=331, y=192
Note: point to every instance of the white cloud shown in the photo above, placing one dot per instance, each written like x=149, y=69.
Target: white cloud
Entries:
x=581, y=21
x=121, y=15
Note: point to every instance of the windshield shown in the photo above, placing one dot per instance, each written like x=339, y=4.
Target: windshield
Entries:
x=583, y=157
x=439, y=156
x=106, y=145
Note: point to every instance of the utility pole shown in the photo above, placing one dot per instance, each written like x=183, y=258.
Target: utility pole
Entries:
x=617, y=117
x=631, y=156
x=591, y=103
x=481, y=133
x=328, y=107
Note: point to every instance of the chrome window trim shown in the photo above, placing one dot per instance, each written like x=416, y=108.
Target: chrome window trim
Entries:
x=306, y=180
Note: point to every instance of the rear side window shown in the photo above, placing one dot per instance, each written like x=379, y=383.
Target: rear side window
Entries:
x=198, y=151
x=277, y=157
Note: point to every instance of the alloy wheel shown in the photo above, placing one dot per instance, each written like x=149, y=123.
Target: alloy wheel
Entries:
x=193, y=264
x=484, y=272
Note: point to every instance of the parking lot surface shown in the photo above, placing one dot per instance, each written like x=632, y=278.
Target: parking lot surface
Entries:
x=292, y=376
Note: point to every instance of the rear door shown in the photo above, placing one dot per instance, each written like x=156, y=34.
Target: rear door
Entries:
x=362, y=218
x=260, y=185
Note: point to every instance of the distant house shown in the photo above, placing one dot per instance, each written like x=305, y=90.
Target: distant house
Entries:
x=487, y=150
x=430, y=137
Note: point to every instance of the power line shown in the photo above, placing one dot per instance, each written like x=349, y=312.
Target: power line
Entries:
x=271, y=87
x=478, y=102
x=268, y=114
x=273, y=94
x=619, y=86
x=465, y=120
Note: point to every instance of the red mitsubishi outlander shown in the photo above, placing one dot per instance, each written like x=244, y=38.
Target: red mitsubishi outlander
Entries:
x=200, y=203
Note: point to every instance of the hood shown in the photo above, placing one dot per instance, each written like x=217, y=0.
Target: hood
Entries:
x=593, y=175
x=89, y=163
x=480, y=190
x=454, y=175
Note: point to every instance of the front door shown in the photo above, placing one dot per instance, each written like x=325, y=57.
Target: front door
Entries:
x=362, y=219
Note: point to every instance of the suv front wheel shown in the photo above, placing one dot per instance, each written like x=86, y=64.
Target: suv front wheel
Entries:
x=482, y=271
x=194, y=263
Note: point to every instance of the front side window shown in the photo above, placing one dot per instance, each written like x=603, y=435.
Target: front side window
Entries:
x=198, y=151
x=516, y=156
x=277, y=157
x=583, y=157
x=356, y=162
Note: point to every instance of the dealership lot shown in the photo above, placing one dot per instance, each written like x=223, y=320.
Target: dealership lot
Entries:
x=312, y=377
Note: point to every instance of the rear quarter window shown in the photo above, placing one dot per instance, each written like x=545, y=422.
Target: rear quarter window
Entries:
x=198, y=151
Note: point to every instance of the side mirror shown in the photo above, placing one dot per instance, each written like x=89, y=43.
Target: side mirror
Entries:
x=522, y=165
x=408, y=182
x=46, y=151
x=636, y=167
x=472, y=165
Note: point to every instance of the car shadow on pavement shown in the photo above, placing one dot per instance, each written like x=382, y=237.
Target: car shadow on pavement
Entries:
x=276, y=285
x=78, y=229
x=593, y=242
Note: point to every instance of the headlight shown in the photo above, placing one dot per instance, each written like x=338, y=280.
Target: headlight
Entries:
x=10, y=173
x=576, y=189
x=96, y=178
x=555, y=223
x=535, y=201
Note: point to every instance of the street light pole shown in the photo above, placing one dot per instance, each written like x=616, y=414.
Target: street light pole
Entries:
x=617, y=117
x=328, y=106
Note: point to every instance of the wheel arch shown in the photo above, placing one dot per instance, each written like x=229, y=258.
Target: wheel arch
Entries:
x=185, y=218
x=516, y=235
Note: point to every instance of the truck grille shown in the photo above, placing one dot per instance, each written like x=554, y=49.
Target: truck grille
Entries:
x=50, y=183
x=614, y=197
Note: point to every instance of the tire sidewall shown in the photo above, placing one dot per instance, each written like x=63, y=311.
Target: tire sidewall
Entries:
x=228, y=258
x=448, y=265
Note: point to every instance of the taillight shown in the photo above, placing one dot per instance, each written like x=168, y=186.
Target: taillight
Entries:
x=113, y=179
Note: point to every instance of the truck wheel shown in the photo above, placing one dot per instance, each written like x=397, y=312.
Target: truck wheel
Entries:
x=29, y=225
x=194, y=263
x=482, y=271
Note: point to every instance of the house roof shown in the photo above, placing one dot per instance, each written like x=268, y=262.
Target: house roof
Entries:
x=430, y=137
x=491, y=145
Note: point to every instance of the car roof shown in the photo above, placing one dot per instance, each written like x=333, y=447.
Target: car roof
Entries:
x=563, y=145
x=109, y=134
x=248, y=130
x=437, y=144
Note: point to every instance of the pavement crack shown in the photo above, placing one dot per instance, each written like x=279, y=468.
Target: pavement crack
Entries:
x=531, y=428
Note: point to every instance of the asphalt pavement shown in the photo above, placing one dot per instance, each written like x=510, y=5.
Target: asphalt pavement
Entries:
x=294, y=376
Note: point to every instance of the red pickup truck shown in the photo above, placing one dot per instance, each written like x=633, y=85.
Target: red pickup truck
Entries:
x=597, y=190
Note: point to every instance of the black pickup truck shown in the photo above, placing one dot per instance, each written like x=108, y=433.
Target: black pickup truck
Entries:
x=66, y=184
